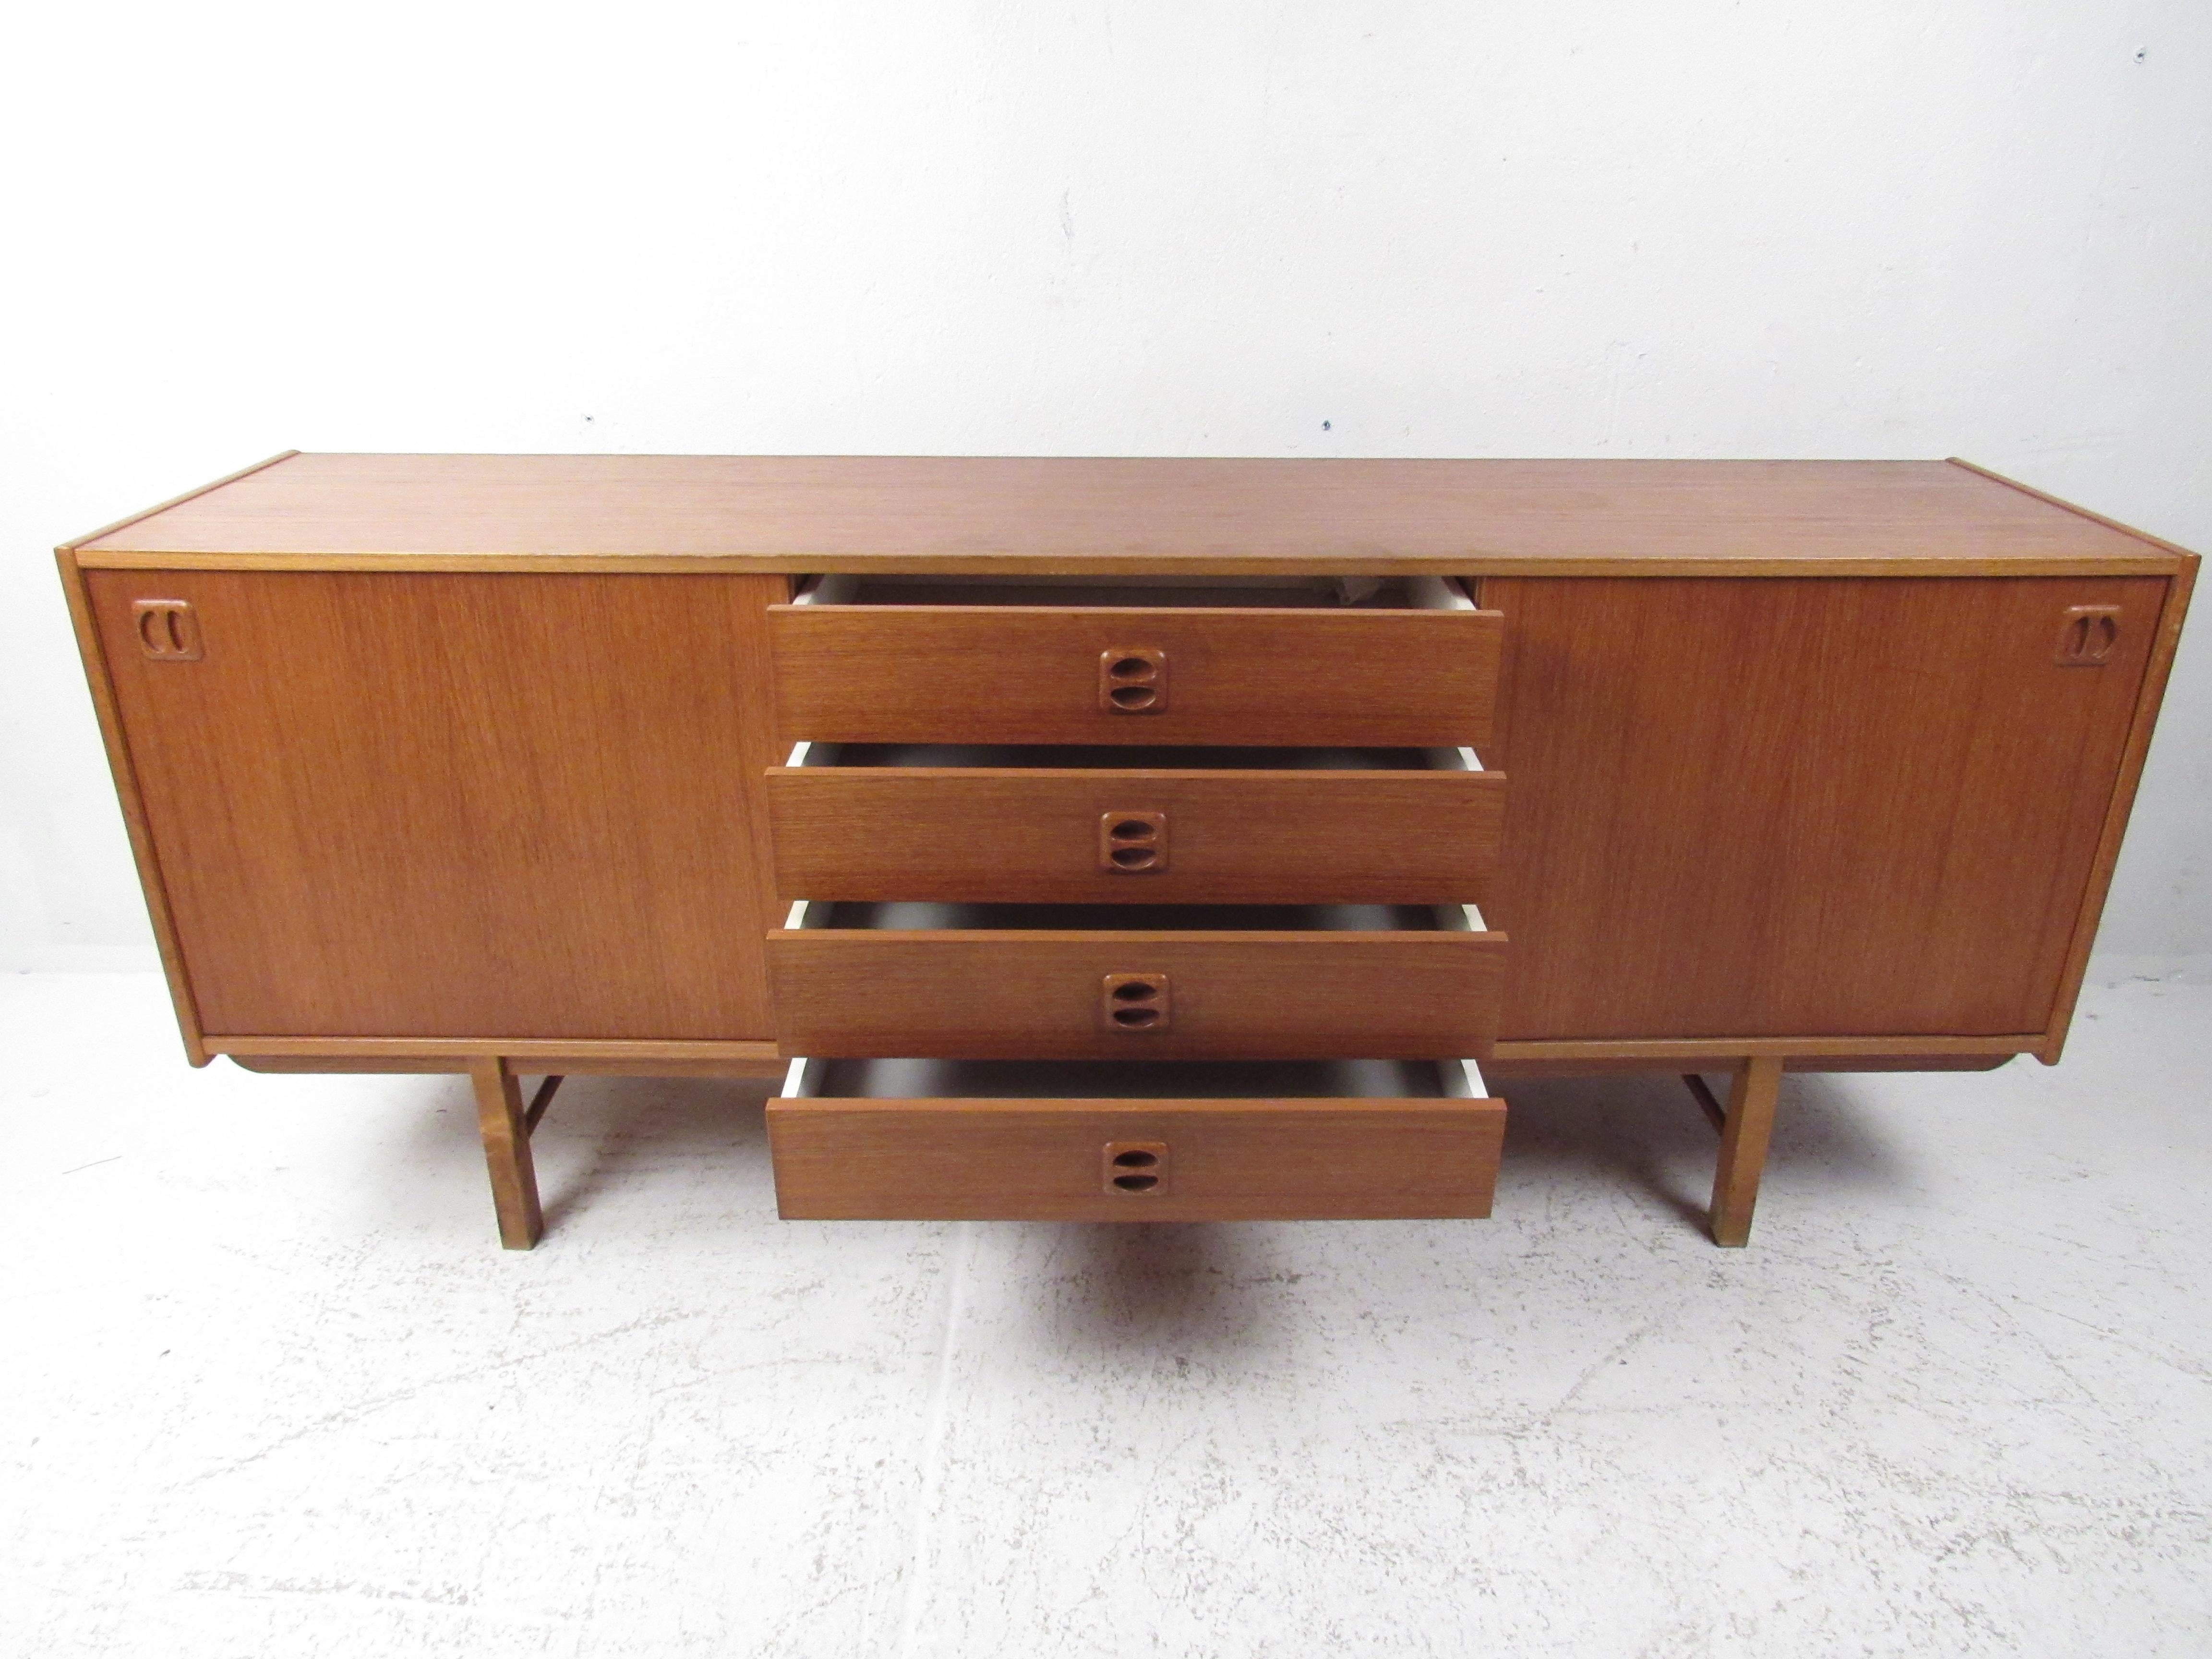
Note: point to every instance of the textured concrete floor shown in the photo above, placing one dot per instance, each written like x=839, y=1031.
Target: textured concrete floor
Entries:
x=269, y=1390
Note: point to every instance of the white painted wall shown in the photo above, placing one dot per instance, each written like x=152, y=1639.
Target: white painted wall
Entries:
x=1896, y=227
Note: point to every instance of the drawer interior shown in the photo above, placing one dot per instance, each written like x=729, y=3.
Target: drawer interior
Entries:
x=890, y=916
x=1106, y=757
x=1134, y=1080
x=1066, y=756
x=1210, y=592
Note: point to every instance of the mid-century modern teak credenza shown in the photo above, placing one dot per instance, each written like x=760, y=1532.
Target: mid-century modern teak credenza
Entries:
x=1160, y=839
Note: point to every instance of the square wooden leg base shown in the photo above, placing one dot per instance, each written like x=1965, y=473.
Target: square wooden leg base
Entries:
x=506, y=1124
x=1745, y=1124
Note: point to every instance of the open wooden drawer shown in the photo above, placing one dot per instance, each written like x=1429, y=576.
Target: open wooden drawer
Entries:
x=905, y=1140
x=1107, y=982
x=1150, y=661
x=1079, y=824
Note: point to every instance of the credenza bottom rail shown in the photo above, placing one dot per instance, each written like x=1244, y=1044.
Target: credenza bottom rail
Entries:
x=1741, y=1111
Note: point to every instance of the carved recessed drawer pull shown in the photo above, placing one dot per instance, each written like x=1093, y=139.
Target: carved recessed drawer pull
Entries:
x=169, y=630
x=1135, y=1002
x=1133, y=843
x=2087, y=636
x=1133, y=1168
x=1133, y=681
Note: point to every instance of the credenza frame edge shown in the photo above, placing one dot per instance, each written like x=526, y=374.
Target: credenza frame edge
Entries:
x=2156, y=561
x=2149, y=697
x=641, y=1057
x=2176, y=565
x=159, y=507
x=135, y=825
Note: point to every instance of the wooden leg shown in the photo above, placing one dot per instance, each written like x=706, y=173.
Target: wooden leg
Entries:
x=503, y=1121
x=1749, y=1121
x=1715, y=1114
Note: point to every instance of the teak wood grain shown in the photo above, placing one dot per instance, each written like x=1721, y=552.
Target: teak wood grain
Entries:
x=1008, y=514
x=1501, y=1063
x=1227, y=1160
x=400, y=806
x=100, y=681
x=1008, y=834
x=1836, y=1053
x=743, y=1057
x=1854, y=807
x=1005, y=995
x=1029, y=674
x=129, y=520
x=1843, y=819
x=661, y=1062
x=2134, y=753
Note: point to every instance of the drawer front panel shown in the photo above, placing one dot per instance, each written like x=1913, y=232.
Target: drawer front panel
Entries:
x=1059, y=1160
x=1046, y=674
x=978, y=834
x=976, y=995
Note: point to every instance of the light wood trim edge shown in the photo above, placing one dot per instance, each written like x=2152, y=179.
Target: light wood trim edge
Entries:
x=2078, y=512
x=1665, y=1051
x=1131, y=564
x=1221, y=1106
x=757, y=1071
x=126, y=775
x=843, y=938
x=2156, y=672
x=1019, y=563
x=175, y=500
x=590, y=1049
x=1660, y=1050
x=1497, y=779
x=2182, y=575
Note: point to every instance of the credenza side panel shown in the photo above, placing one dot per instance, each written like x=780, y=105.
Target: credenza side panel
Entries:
x=393, y=805
x=1792, y=807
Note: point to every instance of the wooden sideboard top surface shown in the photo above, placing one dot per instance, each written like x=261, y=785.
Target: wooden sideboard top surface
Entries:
x=1124, y=516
